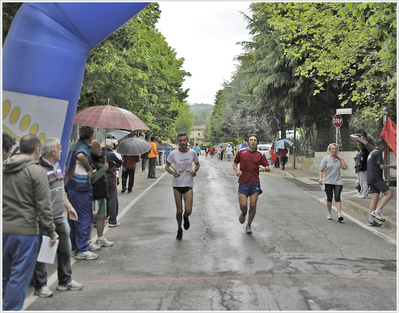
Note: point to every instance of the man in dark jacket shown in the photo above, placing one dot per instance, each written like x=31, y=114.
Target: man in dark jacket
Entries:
x=128, y=170
x=26, y=205
x=113, y=164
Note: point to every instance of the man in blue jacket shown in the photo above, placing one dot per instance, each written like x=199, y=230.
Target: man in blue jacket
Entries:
x=78, y=173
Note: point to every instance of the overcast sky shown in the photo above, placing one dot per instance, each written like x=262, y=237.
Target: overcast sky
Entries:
x=205, y=34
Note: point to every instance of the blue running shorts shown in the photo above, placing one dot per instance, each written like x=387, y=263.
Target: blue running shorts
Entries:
x=250, y=188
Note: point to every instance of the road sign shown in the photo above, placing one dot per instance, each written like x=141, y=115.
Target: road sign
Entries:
x=344, y=111
x=337, y=120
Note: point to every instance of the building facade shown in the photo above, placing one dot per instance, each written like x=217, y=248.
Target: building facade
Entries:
x=197, y=134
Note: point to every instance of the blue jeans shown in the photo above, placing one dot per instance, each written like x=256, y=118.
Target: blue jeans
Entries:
x=113, y=206
x=63, y=257
x=19, y=259
x=143, y=164
x=80, y=229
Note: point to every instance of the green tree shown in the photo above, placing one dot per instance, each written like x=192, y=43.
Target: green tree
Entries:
x=217, y=129
x=336, y=45
x=9, y=11
x=136, y=69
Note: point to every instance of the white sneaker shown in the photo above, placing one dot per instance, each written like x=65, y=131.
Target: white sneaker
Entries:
x=72, y=285
x=93, y=246
x=357, y=195
x=86, y=255
x=248, y=229
x=329, y=216
x=104, y=242
x=43, y=292
x=378, y=216
x=340, y=217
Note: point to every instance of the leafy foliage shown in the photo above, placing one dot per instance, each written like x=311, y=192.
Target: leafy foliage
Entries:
x=137, y=70
x=307, y=59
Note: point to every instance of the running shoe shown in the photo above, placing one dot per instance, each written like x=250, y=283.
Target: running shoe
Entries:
x=93, y=246
x=242, y=218
x=43, y=292
x=340, y=217
x=329, y=216
x=72, y=285
x=186, y=222
x=86, y=255
x=357, y=195
x=378, y=216
x=114, y=225
x=179, y=234
x=248, y=229
x=104, y=242
x=374, y=223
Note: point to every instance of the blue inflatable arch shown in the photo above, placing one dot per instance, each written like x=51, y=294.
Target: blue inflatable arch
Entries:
x=44, y=59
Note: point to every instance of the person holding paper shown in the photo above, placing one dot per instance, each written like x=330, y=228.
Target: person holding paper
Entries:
x=26, y=205
x=51, y=154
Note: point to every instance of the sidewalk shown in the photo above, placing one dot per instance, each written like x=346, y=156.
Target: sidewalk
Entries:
x=355, y=205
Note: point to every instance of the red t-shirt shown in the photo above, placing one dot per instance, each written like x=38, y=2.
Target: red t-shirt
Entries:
x=249, y=165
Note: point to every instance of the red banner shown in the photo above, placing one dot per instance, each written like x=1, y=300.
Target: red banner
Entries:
x=389, y=134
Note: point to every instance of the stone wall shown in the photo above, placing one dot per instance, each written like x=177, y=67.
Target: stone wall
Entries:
x=312, y=164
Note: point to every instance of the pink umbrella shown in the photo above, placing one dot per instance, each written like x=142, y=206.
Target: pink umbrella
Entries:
x=108, y=116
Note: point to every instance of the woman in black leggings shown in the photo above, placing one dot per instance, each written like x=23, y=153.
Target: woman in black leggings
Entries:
x=330, y=177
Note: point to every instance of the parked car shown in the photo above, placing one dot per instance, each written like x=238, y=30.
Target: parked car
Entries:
x=264, y=148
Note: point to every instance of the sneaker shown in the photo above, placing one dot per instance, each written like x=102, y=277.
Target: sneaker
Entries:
x=362, y=197
x=43, y=292
x=248, y=229
x=374, y=223
x=357, y=195
x=340, y=218
x=378, y=216
x=242, y=218
x=93, y=246
x=186, y=224
x=179, y=234
x=104, y=242
x=86, y=255
x=329, y=216
x=114, y=225
x=72, y=285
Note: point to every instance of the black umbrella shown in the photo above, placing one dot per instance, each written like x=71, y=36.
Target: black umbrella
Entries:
x=133, y=146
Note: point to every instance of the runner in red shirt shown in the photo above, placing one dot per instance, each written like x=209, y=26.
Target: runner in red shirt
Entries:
x=251, y=163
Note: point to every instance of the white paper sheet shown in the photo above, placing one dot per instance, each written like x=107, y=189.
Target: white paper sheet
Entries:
x=47, y=253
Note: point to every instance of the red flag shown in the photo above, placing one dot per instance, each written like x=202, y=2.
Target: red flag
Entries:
x=389, y=134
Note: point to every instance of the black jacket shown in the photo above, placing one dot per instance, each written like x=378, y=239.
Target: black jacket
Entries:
x=99, y=179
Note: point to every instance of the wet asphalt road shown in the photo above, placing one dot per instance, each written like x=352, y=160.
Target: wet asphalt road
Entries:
x=294, y=260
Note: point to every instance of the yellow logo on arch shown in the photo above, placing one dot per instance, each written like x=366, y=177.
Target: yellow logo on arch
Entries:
x=25, y=114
